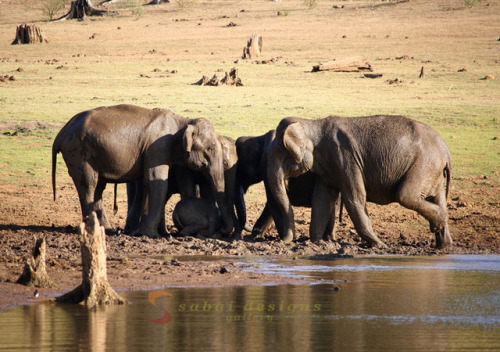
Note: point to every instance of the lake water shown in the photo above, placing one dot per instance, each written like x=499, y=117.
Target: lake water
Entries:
x=373, y=303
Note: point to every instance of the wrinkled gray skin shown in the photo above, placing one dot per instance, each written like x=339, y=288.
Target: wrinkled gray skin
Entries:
x=252, y=169
x=123, y=143
x=379, y=159
x=188, y=183
x=194, y=215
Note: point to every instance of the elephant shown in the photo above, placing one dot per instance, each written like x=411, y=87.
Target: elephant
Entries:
x=124, y=143
x=192, y=215
x=380, y=159
x=188, y=183
x=252, y=169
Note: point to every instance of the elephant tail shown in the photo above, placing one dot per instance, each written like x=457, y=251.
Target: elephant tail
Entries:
x=447, y=172
x=115, y=206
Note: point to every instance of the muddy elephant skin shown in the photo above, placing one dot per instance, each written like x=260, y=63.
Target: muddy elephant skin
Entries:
x=123, y=143
x=193, y=215
x=380, y=159
x=188, y=183
x=252, y=169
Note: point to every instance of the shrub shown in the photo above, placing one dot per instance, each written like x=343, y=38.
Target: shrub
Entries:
x=51, y=7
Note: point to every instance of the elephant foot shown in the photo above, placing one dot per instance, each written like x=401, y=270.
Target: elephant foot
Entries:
x=443, y=238
x=150, y=234
x=288, y=237
x=377, y=243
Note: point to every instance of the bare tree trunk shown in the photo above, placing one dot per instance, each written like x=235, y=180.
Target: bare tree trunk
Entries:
x=80, y=9
x=253, y=48
x=34, y=273
x=95, y=288
x=29, y=34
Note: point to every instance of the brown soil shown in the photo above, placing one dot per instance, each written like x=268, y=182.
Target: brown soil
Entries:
x=143, y=263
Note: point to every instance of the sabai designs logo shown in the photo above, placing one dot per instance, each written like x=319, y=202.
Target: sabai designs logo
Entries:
x=166, y=318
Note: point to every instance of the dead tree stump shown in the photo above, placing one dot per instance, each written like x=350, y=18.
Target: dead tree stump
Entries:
x=422, y=73
x=29, y=34
x=80, y=9
x=253, y=48
x=232, y=79
x=34, y=273
x=95, y=288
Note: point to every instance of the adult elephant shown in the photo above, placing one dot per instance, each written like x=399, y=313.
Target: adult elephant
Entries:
x=252, y=169
x=123, y=143
x=380, y=159
x=188, y=183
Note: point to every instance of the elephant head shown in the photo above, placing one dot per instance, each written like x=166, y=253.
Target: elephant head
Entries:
x=204, y=152
x=289, y=155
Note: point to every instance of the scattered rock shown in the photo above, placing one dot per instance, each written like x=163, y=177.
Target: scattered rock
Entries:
x=462, y=70
x=231, y=24
x=488, y=77
x=396, y=80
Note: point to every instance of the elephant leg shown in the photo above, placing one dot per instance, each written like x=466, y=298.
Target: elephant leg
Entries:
x=135, y=193
x=355, y=204
x=263, y=223
x=98, y=206
x=156, y=184
x=329, y=234
x=86, y=183
x=323, y=205
x=240, y=206
x=431, y=207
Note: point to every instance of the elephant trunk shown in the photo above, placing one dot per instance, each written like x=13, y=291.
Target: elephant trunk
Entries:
x=279, y=204
x=218, y=186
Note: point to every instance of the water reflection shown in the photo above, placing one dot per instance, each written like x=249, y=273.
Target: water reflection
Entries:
x=395, y=304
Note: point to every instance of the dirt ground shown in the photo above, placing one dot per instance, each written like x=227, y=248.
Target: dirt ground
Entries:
x=143, y=263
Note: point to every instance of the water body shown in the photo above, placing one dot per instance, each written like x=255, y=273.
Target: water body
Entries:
x=373, y=303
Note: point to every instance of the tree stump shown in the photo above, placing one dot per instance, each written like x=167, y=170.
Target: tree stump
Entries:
x=95, y=288
x=29, y=34
x=232, y=79
x=422, y=73
x=34, y=273
x=253, y=48
x=80, y=9
x=346, y=64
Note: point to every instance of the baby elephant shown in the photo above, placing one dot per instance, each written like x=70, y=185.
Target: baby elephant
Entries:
x=192, y=215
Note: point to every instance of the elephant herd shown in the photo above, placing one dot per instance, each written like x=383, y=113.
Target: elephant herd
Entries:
x=380, y=159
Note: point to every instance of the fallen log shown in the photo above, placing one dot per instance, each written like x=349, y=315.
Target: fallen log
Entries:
x=346, y=64
x=95, y=288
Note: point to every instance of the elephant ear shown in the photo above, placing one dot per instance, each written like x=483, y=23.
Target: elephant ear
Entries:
x=295, y=141
x=227, y=153
x=187, y=138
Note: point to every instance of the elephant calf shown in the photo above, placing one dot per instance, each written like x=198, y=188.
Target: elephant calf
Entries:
x=192, y=215
x=380, y=159
x=252, y=169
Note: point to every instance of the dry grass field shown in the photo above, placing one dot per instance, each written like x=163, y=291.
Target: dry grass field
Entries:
x=151, y=55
